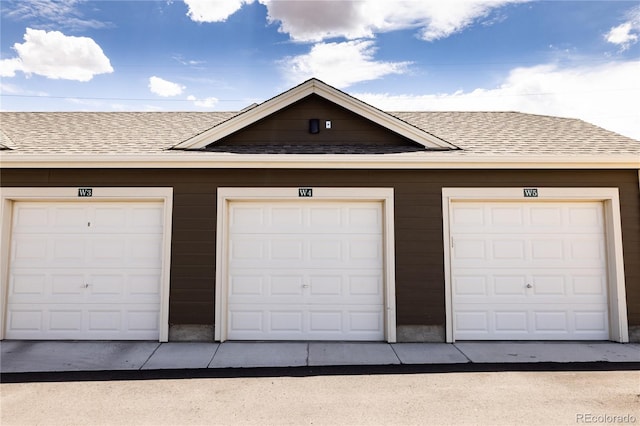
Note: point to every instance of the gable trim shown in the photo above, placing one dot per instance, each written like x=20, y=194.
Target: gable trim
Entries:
x=5, y=141
x=309, y=87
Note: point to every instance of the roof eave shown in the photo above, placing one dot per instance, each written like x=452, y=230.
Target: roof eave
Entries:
x=422, y=160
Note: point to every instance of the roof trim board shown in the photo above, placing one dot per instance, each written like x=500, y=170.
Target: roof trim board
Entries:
x=309, y=87
x=434, y=160
x=5, y=141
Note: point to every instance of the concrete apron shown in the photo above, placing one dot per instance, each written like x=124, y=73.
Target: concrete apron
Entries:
x=52, y=356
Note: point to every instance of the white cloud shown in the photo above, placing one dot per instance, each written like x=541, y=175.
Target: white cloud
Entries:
x=316, y=20
x=626, y=33
x=340, y=64
x=8, y=67
x=51, y=14
x=606, y=95
x=204, y=102
x=57, y=56
x=213, y=10
x=165, y=88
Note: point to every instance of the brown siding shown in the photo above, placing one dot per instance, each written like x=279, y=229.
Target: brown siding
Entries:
x=418, y=226
x=291, y=126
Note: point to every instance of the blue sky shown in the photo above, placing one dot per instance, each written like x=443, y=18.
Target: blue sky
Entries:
x=568, y=58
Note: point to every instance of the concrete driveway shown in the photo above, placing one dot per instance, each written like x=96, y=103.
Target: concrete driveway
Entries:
x=321, y=383
x=61, y=356
x=497, y=398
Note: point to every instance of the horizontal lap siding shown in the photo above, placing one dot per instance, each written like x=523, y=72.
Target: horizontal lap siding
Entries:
x=291, y=126
x=418, y=226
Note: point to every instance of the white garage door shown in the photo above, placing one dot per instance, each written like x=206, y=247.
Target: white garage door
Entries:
x=308, y=270
x=529, y=271
x=85, y=270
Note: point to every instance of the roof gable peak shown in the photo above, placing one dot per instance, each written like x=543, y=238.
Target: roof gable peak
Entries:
x=317, y=87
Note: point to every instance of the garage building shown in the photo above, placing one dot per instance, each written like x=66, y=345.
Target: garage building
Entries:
x=315, y=216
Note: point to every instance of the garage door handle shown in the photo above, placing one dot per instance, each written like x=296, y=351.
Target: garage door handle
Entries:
x=86, y=285
x=529, y=286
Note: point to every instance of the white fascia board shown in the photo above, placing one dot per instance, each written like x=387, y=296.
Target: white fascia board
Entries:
x=244, y=119
x=313, y=86
x=382, y=118
x=308, y=161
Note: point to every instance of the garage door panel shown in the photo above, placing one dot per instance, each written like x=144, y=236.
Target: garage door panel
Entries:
x=291, y=249
x=143, y=251
x=591, y=321
x=89, y=270
x=25, y=319
x=329, y=218
x=29, y=250
x=70, y=321
x=507, y=250
x=39, y=218
x=67, y=285
x=477, y=285
x=366, y=284
x=299, y=270
x=282, y=322
x=470, y=285
x=125, y=250
x=313, y=286
x=51, y=251
x=291, y=321
x=529, y=271
x=509, y=285
x=586, y=217
x=293, y=218
x=505, y=217
x=285, y=285
x=65, y=320
x=510, y=321
x=538, y=322
x=551, y=321
x=549, y=285
x=529, y=249
x=85, y=286
x=589, y=284
x=325, y=251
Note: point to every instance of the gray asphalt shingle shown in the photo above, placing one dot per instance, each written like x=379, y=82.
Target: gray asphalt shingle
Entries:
x=476, y=133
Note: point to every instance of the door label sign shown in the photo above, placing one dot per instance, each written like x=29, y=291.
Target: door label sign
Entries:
x=305, y=192
x=530, y=192
x=85, y=192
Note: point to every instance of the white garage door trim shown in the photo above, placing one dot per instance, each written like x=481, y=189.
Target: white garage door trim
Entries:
x=9, y=196
x=618, y=327
x=226, y=196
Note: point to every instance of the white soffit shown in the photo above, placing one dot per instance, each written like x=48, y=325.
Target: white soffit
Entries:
x=309, y=87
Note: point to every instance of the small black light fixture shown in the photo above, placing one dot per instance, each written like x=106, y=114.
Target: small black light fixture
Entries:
x=314, y=126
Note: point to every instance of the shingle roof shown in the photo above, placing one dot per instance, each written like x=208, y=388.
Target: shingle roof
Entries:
x=140, y=133
x=513, y=133
x=103, y=132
